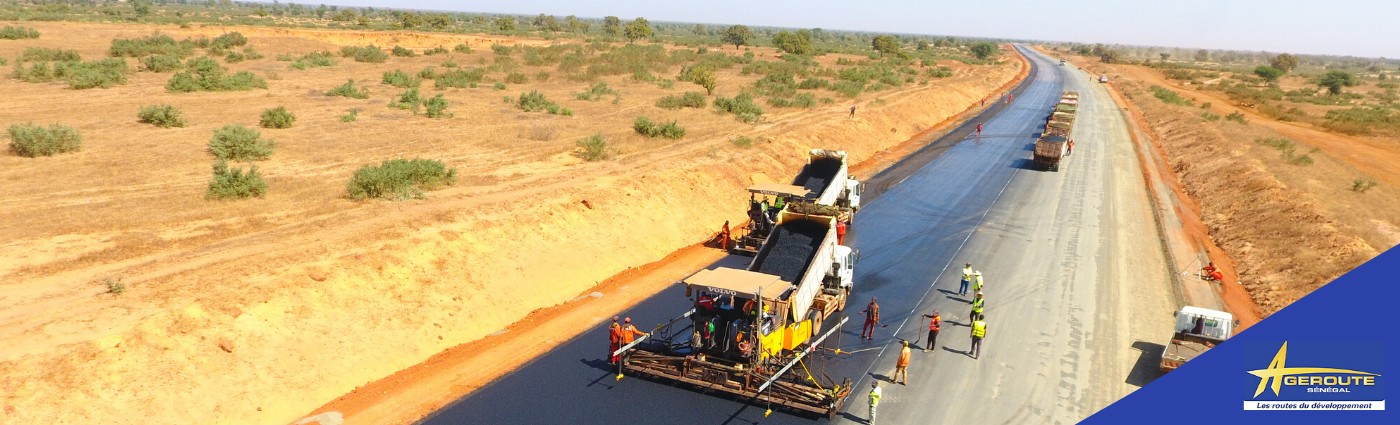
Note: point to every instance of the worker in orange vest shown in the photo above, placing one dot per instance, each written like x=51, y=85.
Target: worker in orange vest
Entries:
x=724, y=236
x=901, y=366
x=872, y=318
x=630, y=333
x=1213, y=273
x=934, y=325
x=840, y=232
x=614, y=337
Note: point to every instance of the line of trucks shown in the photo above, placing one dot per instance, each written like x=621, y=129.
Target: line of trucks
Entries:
x=1053, y=145
x=750, y=331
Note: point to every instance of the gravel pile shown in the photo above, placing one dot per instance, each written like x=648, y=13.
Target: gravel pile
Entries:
x=792, y=244
x=816, y=175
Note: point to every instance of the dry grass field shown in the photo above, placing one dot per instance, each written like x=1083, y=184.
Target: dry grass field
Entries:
x=257, y=310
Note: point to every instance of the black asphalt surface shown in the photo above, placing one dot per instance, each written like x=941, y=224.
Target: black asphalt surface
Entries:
x=917, y=216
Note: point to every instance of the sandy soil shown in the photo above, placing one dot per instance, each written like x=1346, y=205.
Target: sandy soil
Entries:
x=1289, y=228
x=256, y=311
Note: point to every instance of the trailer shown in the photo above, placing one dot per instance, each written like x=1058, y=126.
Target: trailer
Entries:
x=1050, y=150
x=751, y=332
x=1197, y=330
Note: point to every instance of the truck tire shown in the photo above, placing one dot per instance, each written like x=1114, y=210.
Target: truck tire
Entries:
x=845, y=293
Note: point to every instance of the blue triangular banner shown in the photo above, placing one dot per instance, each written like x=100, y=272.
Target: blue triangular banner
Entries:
x=1321, y=358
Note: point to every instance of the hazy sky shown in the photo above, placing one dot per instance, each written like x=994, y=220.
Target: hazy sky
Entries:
x=1337, y=27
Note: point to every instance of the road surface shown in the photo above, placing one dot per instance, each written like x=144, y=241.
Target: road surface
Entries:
x=1079, y=294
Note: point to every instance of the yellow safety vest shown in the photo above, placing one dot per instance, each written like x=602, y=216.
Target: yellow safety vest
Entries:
x=978, y=285
x=875, y=396
x=967, y=273
x=979, y=329
x=977, y=305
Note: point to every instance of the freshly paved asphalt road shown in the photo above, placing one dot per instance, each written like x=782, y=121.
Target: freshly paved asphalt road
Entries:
x=1079, y=294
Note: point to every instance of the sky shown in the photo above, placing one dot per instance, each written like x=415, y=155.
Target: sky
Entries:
x=1366, y=28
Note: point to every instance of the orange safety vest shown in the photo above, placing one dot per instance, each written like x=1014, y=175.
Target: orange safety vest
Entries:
x=874, y=313
x=933, y=324
x=629, y=333
x=614, y=332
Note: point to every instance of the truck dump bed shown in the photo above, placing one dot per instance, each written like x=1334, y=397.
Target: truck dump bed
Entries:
x=790, y=249
x=819, y=173
x=1049, y=150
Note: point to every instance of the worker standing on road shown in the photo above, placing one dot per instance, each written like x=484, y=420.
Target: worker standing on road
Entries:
x=901, y=366
x=935, y=323
x=979, y=331
x=966, y=279
x=874, y=399
x=979, y=129
x=977, y=281
x=872, y=318
x=614, y=337
x=840, y=232
x=977, y=305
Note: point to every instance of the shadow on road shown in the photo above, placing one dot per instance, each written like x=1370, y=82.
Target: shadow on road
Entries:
x=953, y=295
x=950, y=350
x=1024, y=164
x=1148, y=366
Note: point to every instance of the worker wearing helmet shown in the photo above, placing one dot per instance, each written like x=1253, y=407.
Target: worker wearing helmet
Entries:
x=614, y=337
x=872, y=318
x=979, y=331
x=874, y=399
x=966, y=279
x=977, y=305
x=629, y=332
x=934, y=325
x=977, y=281
x=901, y=366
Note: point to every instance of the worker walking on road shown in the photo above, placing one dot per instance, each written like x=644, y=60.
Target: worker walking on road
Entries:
x=979, y=331
x=901, y=367
x=874, y=399
x=872, y=318
x=966, y=279
x=978, y=304
x=614, y=338
x=935, y=323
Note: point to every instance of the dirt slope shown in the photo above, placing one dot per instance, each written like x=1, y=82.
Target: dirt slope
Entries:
x=255, y=311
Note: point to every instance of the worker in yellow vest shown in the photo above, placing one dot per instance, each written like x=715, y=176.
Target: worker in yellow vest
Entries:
x=977, y=281
x=966, y=279
x=977, y=305
x=979, y=331
x=874, y=399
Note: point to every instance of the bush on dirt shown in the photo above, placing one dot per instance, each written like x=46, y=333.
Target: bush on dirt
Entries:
x=33, y=141
x=235, y=142
x=204, y=74
x=670, y=130
x=535, y=101
x=742, y=106
x=277, y=117
x=408, y=101
x=1170, y=97
x=163, y=116
x=593, y=148
x=399, y=179
x=156, y=44
x=17, y=33
x=348, y=90
x=459, y=78
x=435, y=51
x=228, y=41
x=353, y=115
x=802, y=100
x=436, y=107
x=235, y=183
x=1237, y=117
x=401, y=79
x=313, y=60
x=369, y=54
x=689, y=99
x=161, y=63
x=742, y=142
x=1361, y=185
x=596, y=92
x=403, y=52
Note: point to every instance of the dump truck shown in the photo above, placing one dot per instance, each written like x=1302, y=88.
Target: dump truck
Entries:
x=1050, y=150
x=750, y=331
x=1197, y=330
x=824, y=186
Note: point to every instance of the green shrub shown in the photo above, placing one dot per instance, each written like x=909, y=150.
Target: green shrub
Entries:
x=251, y=54
x=1210, y=117
x=228, y=41
x=409, y=100
x=235, y=142
x=435, y=51
x=401, y=79
x=235, y=183
x=539, y=76
x=459, y=78
x=428, y=73
x=814, y=83
x=277, y=117
x=462, y=48
x=449, y=64
x=689, y=99
x=501, y=50
x=517, y=78
x=32, y=141
x=1362, y=185
x=156, y=44
x=17, y=33
x=939, y=72
x=742, y=106
x=44, y=54
x=1362, y=120
x=1237, y=117
x=802, y=100
x=313, y=60
x=79, y=75
x=369, y=54
x=436, y=107
x=235, y=57
x=161, y=63
x=398, y=179
x=742, y=141
x=348, y=90
x=353, y=115
x=593, y=148
x=670, y=130
x=1287, y=150
x=403, y=52
x=1170, y=97
x=163, y=116
x=535, y=101
x=499, y=86
x=204, y=74
x=596, y=92
x=848, y=88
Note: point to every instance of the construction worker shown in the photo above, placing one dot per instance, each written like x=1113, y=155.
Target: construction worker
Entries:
x=853, y=110
x=901, y=366
x=614, y=337
x=979, y=129
x=874, y=399
x=724, y=236
x=840, y=232
x=935, y=323
x=872, y=318
x=629, y=332
x=1070, y=150
x=966, y=279
x=1213, y=273
x=977, y=281
x=979, y=331
x=977, y=304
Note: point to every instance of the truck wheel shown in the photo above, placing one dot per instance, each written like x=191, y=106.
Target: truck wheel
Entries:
x=845, y=293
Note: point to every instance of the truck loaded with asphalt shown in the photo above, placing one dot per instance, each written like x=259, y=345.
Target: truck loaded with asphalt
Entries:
x=1054, y=143
x=1197, y=330
x=749, y=327
x=824, y=186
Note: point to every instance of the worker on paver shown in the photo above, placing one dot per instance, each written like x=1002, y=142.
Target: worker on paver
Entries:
x=614, y=337
x=872, y=318
x=979, y=331
x=935, y=323
x=777, y=206
x=901, y=366
x=966, y=279
x=978, y=304
x=629, y=332
x=840, y=232
x=874, y=399
x=977, y=281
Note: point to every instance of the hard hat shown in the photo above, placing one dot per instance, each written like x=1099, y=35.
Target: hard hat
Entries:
x=629, y=319
x=979, y=272
x=979, y=293
x=614, y=318
x=906, y=343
